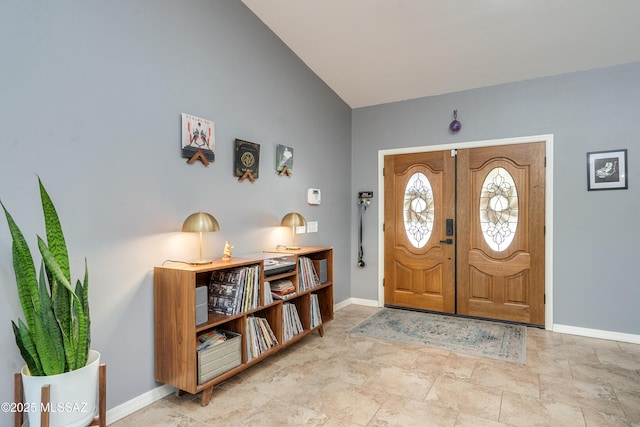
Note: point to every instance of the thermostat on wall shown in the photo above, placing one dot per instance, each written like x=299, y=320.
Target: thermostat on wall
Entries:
x=313, y=196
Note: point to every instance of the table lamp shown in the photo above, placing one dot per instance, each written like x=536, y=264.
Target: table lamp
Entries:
x=200, y=222
x=293, y=220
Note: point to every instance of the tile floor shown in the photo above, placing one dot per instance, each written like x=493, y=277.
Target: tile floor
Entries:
x=339, y=380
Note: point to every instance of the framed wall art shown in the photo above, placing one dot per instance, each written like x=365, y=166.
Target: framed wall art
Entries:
x=247, y=160
x=198, y=137
x=607, y=170
x=284, y=159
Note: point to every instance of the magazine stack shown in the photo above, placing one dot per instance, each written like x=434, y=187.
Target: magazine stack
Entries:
x=260, y=337
x=282, y=289
x=291, y=325
x=316, y=317
x=235, y=290
x=307, y=275
x=268, y=298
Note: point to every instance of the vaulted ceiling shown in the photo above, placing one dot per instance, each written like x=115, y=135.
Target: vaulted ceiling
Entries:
x=378, y=51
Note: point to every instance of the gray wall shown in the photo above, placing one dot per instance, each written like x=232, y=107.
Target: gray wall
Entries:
x=596, y=233
x=92, y=94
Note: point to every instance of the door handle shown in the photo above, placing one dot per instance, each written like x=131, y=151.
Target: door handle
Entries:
x=447, y=241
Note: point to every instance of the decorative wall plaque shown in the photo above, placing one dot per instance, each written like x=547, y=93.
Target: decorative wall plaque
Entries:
x=247, y=160
x=198, y=139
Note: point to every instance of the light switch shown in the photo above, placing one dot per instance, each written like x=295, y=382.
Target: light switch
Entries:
x=312, y=227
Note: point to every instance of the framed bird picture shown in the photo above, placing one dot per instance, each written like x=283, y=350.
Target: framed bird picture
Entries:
x=198, y=137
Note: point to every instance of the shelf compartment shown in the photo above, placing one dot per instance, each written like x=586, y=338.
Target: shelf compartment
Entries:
x=220, y=358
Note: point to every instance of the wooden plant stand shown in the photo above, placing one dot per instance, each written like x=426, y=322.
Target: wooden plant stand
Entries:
x=100, y=420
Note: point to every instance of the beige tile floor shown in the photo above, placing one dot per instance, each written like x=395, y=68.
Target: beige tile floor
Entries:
x=339, y=380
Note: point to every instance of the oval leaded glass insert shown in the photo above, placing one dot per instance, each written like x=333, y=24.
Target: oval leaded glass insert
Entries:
x=499, y=209
x=418, y=209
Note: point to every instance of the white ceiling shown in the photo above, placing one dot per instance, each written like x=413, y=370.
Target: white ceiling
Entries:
x=377, y=51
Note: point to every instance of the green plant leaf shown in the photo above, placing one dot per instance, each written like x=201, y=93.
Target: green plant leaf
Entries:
x=84, y=322
x=56, y=336
x=48, y=338
x=64, y=316
x=27, y=347
x=25, y=271
x=52, y=265
x=55, y=236
x=63, y=306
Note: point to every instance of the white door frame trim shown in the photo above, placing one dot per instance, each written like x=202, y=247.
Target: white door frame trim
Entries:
x=548, y=238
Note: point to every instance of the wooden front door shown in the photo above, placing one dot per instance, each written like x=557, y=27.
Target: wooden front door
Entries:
x=501, y=232
x=465, y=234
x=419, y=262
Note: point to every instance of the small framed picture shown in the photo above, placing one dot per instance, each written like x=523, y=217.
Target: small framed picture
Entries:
x=198, y=135
x=284, y=158
x=247, y=159
x=607, y=170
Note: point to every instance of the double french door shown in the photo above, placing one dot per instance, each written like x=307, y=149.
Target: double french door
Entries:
x=464, y=232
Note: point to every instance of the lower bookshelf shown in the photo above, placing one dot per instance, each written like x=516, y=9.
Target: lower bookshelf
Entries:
x=248, y=326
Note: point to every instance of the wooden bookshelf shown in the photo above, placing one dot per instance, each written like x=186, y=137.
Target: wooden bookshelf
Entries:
x=176, y=332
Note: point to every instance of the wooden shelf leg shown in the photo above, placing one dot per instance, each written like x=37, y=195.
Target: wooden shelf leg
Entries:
x=102, y=395
x=18, y=417
x=321, y=330
x=206, y=396
x=101, y=419
x=45, y=399
x=179, y=392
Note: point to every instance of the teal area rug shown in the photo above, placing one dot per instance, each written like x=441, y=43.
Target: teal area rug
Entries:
x=495, y=340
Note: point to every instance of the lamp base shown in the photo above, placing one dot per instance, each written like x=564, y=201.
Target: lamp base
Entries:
x=200, y=261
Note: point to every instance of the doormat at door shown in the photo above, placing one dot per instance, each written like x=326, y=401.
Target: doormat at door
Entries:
x=501, y=341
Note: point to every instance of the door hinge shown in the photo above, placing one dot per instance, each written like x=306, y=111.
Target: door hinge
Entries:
x=454, y=153
x=545, y=299
x=383, y=282
x=545, y=161
x=383, y=226
x=382, y=171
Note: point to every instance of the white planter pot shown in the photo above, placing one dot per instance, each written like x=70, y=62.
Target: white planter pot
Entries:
x=73, y=395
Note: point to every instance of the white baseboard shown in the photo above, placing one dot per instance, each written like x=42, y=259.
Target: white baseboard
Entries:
x=357, y=301
x=137, y=403
x=596, y=333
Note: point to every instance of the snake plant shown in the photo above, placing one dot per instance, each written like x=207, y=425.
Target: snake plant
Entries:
x=56, y=336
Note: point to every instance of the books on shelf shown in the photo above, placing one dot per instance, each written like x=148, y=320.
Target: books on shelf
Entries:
x=282, y=289
x=268, y=298
x=307, y=275
x=260, y=337
x=234, y=290
x=291, y=325
x=316, y=316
